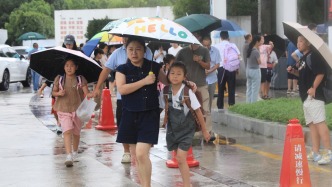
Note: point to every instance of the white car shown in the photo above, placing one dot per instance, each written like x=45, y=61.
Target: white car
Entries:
x=13, y=68
x=22, y=50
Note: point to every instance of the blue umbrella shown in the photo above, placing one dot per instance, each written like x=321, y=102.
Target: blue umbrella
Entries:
x=90, y=46
x=234, y=30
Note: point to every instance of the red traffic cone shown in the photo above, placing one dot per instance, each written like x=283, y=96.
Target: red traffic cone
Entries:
x=173, y=163
x=294, y=169
x=106, y=118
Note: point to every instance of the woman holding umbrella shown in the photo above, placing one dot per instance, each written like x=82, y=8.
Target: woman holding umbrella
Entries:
x=311, y=70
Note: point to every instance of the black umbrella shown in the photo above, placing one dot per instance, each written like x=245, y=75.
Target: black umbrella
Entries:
x=278, y=42
x=50, y=63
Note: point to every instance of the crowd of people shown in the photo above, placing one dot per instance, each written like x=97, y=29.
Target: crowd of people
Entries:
x=139, y=71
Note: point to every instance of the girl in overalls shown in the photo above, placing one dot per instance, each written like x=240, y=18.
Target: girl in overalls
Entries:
x=181, y=123
x=69, y=95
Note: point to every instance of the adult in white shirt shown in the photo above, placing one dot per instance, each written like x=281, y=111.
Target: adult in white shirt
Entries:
x=174, y=49
x=225, y=76
x=159, y=54
x=211, y=74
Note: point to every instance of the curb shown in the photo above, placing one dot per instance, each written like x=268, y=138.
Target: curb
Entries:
x=265, y=128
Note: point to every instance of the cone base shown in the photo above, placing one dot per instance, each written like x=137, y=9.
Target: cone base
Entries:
x=99, y=127
x=193, y=163
x=172, y=164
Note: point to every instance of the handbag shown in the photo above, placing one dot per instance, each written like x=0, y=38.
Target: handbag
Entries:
x=85, y=110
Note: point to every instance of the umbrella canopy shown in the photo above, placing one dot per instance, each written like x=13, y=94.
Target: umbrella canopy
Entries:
x=50, y=63
x=294, y=30
x=155, y=29
x=104, y=36
x=199, y=22
x=234, y=30
x=278, y=42
x=111, y=25
x=31, y=36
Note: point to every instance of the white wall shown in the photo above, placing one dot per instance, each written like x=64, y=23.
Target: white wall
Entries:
x=75, y=22
x=3, y=36
x=286, y=11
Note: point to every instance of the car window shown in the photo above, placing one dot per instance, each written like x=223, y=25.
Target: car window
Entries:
x=12, y=53
x=2, y=54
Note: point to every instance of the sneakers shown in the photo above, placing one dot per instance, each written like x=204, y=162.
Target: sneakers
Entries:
x=289, y=91
x=326, y=158
x=69, y=161
x=75, y=156
x=126, y=158
x=314, y=156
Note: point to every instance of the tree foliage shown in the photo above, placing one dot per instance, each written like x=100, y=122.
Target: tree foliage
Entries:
x=6, y=7
x=311, y=11
x=35, y=16
x=241, y=7
x=183, y=7
x=95, y=26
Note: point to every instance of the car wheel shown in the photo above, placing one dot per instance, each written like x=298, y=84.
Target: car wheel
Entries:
x=5, y=81
x=28, y=78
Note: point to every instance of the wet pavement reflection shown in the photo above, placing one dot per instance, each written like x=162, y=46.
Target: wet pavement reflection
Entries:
x=33, y=153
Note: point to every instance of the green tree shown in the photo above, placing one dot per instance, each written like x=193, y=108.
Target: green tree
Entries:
x=311, y=11
x=183, y=7
x=6, y=7
x=95, y=26
x=35, y=16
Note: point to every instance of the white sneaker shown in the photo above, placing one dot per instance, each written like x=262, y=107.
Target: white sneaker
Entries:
x=314, y=156
x=69, y=161
x=126, y=158
x=75, y=156
x=326, y=158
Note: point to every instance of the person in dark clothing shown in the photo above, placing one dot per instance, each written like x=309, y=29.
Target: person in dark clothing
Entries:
x=311, y=71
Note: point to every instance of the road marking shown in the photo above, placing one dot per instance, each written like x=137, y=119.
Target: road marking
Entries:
x=273, y=156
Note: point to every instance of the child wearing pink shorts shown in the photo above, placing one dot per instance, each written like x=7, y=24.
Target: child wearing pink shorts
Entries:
x=69, y=91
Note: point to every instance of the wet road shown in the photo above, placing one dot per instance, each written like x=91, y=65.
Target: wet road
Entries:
x=31, y=154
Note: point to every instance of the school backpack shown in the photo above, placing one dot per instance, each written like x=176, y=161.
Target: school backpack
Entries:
x=327, y=84
x=231, y=57
x=186, y=99
x=79, y=84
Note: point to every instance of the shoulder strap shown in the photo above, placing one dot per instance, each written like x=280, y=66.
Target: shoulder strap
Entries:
x=61, y=82
x=79, y=81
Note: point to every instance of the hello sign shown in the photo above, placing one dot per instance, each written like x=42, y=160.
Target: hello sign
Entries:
x=153, y=25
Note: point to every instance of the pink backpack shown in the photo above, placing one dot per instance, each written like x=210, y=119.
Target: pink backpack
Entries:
x=231, y=58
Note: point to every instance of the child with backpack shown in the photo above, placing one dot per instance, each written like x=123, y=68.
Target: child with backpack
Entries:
x=181, y=122
x=69, y=90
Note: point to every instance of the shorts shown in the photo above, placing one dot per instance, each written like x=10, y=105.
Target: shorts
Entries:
x=314, y=111
x=269, y=75
x=263, y=74
x=70, y=121
x=140, y=127
x=292, y=76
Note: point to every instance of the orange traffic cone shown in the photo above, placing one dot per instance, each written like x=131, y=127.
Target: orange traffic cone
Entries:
x=106, y=118
x=294, y=169
x=173, y=163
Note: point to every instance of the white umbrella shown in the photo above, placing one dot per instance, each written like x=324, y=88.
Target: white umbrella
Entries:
x=294, y=30
x=155, y=29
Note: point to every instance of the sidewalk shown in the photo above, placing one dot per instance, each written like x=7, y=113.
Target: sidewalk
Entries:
x=32, y=155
